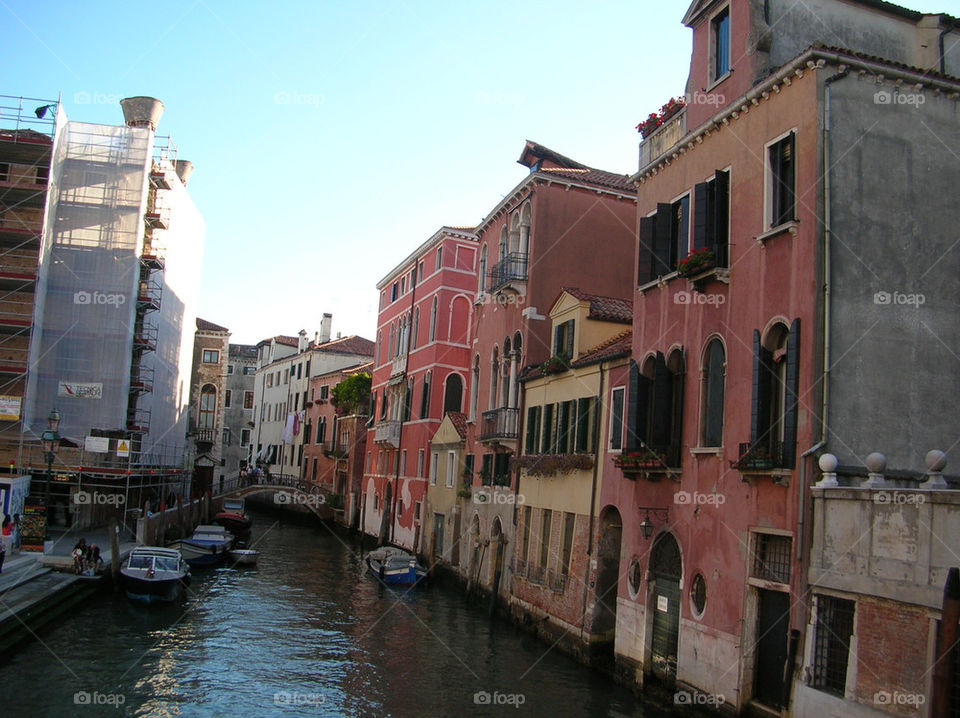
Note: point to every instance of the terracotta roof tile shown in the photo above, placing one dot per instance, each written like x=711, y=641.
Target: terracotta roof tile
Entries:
x=347, y=345
x=287, y=341
x=591, y=176
x=603, y=308
x=459, y=421
x=618, y=346
x=204, y=326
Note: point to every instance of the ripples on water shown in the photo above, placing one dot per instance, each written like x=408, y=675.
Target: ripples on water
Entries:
x=305, y=633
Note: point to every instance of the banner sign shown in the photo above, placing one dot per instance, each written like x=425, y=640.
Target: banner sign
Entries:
x=9, y=408
x=33, y=524
x=96, y=444
x=80, y=390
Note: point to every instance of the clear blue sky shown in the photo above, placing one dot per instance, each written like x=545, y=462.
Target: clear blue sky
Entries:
x=332, y=138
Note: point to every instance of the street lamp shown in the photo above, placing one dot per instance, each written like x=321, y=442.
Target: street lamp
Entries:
x=646, y=526
x=51, y=441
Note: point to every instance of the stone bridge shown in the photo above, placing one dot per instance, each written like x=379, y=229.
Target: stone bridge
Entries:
x=288, y=494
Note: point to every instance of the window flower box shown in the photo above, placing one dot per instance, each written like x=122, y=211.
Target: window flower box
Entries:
x=697, y=262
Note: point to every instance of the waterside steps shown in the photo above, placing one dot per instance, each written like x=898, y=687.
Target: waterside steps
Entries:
x=32, y=595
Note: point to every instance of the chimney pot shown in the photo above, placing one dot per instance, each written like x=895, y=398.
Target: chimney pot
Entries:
x=141, y=111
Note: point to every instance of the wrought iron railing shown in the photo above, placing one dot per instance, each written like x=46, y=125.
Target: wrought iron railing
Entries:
x=512, y=268
x=760, y=456
x=499, y=424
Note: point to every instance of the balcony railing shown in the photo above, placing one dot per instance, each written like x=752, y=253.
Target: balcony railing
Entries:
x=760, y=456
x=205, y=436
x=665, y=137
x=499, y=424
x=399, y=365
x=388, y=433
x=512, y=268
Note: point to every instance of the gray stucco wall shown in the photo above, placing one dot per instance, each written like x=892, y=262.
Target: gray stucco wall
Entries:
x=895, y=176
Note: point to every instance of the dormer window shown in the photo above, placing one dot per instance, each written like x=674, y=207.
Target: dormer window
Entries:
x=720, y=26
x=563, y=339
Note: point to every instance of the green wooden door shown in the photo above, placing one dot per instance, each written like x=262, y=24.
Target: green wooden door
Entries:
x=666, y=627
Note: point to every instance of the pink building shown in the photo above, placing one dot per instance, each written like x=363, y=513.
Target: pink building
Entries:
x=420, y=373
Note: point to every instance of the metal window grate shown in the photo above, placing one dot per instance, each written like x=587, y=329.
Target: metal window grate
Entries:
x=772, y=558
x=832, y=646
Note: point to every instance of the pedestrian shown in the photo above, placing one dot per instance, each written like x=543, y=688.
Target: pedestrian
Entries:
x=78, y=553
x=92, y=560
x=3, y=555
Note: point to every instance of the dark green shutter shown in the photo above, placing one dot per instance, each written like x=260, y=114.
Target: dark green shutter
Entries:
x=661, y=241
x=645, y=258
x=791, y=397
x=720, y=204
x=662, y=402
x=533, y=429
x=760, y=404
x=546, y=429
x=568, y=340
x=713, y=423
x=583, y=425
x=701, y=216
x=676, y=431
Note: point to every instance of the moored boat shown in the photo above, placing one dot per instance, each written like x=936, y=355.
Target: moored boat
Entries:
x=243, y=556
x=234, y=518
x=208, y=545
x=152, y=574
x=395, y=567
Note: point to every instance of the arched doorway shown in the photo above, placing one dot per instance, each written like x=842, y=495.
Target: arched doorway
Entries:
x=608, y=577
x=666, y=565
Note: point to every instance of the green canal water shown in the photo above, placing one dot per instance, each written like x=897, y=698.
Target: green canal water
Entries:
x=307, y=632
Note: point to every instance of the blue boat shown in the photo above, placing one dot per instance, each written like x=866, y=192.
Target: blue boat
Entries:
x=395, y=567
x=207, y=547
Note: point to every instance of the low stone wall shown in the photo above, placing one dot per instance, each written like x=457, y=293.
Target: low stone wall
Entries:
x=185, y=517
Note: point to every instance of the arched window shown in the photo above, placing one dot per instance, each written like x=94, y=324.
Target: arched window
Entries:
x=433, y=320
x=494, y=378
x=515, y=233
x=379, y=344
x=416, y=328
x=773, y=415
x=474, y=387
x=655, y=417
x=208, y=407
x=390, y=346
x=482, y=278
x=525, y=218
x=503, y=243
x=505, y=374
x=453, y=393
x=711, y=398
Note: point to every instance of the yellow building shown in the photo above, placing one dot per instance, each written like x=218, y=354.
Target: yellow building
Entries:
x=564, y=422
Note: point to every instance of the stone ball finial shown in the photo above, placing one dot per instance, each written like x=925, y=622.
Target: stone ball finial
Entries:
x=936, y=460
x=876, y=462
x=828, y=463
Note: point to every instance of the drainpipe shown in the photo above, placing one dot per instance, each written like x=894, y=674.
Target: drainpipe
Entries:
x=593, y=504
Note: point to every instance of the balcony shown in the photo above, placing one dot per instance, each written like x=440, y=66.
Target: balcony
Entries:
x=499, y=425
x=399, y=365
x=509, y=273
x=649, y=463
x=759, y=457
x=387, y=433
x=205, y=437
x=664, y=139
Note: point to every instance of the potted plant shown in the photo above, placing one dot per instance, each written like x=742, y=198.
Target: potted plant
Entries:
x=656, y=119
x=554, y=365
x=645, y=459
x=697, y=261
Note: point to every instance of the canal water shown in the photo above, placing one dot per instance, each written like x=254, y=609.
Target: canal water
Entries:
x=304, y=633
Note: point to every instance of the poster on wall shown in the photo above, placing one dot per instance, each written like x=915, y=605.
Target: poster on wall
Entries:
x=33, y=525
x=9, y=408
x=80, y=390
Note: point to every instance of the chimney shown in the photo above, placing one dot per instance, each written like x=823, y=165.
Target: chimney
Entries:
x=303, y=343
x=325, y=323
x=184, y=170
x=141, y=111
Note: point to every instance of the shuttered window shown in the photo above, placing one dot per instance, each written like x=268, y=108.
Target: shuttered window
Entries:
x=711, y=212
x=713, y=372
x=533, y=429
x=775, y=398
x=782, y=180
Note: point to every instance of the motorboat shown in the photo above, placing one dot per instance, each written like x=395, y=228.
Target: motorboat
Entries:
x=208, y=545
x=243, y=556
x=234, y=518
x=395, y=567
x=152, y=574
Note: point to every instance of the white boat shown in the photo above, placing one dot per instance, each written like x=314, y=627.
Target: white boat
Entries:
x=395, y=567
x=208, y=545
x=243, y=556
x=155, y=574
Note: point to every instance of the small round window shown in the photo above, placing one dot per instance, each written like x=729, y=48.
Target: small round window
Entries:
x=633, y=577
x=698, y=594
